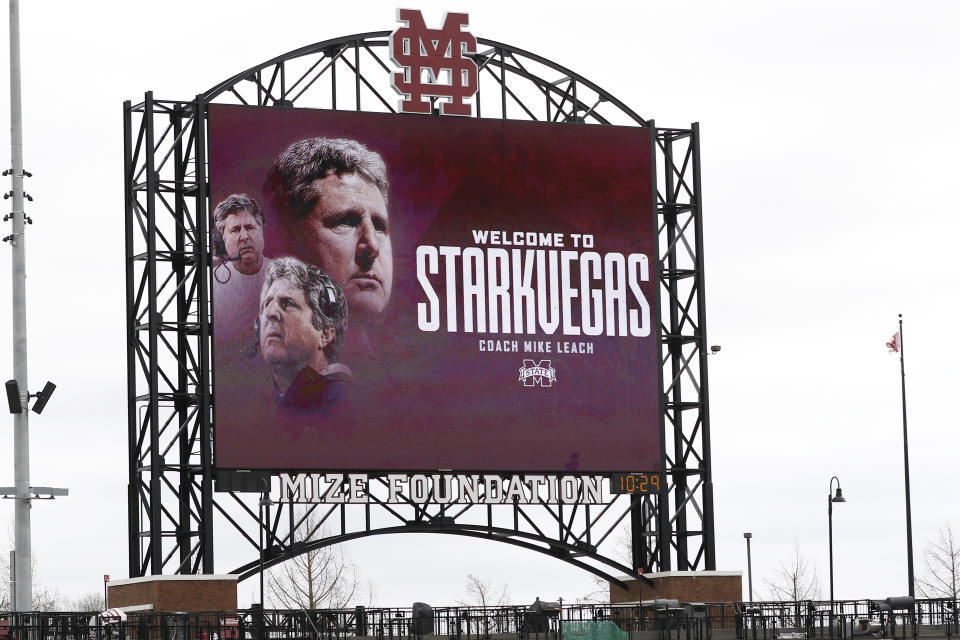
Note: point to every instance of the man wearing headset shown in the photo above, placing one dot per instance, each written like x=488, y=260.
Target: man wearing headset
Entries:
x=237, y=277
x=301, y=328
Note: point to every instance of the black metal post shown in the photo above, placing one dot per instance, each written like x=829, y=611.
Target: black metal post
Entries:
x=830, y=500
x=183, y=527
x=679, y=479
x=706, y=466
x=155, y=511
x=906, y=465
x=661, y=558
x=830, y=526
x=638, y=541
x=133, y=427
x=204, y=397
x=260, y=526
x=749, y=566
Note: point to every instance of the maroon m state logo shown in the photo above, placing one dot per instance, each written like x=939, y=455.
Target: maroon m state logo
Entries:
x=541, y=373
x=442, y=55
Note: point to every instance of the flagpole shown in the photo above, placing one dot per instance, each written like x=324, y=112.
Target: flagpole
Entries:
x=906, y=464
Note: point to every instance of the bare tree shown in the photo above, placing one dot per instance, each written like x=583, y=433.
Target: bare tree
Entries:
x=795, y=581
x=319, y=579
x=91, y=601
x=482, y=593
x=600, y=594
x=622, y=552
x=44, y=599
x=941, y=559
x=5, y=595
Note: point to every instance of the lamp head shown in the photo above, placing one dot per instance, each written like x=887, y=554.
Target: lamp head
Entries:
x=13, y=397
x=748, y=535
x=839, y=497
x=43, y=397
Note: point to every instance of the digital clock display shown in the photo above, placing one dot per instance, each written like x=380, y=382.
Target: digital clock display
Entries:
x=634, y=483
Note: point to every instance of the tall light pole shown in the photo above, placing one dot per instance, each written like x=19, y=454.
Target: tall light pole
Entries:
x=830, y=500
x=21, y=432
x=749, y=535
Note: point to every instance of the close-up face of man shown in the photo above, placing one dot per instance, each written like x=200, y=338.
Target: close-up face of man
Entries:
x=243, y=236
x=347, y=234
x=288, y=338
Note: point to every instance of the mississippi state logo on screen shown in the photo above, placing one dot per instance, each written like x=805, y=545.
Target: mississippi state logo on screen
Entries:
x=441, y=55
x=538, y=374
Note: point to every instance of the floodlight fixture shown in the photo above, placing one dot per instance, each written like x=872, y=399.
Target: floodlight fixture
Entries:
x=42, y=397
x=48, y=493
x=13, y=397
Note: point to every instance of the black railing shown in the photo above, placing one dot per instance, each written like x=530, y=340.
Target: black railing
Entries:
x=655, y=620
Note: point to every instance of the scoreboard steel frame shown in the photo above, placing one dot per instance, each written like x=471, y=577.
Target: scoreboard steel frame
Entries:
x=172, y=506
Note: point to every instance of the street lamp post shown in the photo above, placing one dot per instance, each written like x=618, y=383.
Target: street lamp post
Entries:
x=830, y=500
x=749, y=535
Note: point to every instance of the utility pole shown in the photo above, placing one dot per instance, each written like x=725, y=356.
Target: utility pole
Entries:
x=21, y=432
x=18, y=391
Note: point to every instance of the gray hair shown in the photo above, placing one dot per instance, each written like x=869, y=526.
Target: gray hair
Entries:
x=233, y=204
x=323, y=294
x=289, y=185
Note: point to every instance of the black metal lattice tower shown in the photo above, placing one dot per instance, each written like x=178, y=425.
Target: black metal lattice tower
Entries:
x=171, y=501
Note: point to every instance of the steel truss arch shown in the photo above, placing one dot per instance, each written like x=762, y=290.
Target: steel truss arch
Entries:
x=171, y=502
x=567, y=552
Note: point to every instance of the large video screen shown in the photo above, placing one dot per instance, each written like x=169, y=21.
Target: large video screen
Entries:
x=405, y=292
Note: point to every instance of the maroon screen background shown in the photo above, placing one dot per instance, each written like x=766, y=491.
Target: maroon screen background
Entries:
x=434, y=401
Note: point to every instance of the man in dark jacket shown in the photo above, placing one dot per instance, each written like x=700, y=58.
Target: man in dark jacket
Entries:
x=301, y=328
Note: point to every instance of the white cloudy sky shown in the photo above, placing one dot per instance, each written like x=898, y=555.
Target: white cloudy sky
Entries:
x=829, y=137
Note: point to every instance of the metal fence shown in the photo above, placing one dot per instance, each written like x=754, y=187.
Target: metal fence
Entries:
x=656, y=620
x=849, y=619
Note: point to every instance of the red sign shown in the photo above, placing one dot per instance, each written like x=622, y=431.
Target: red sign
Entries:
x=420, y=50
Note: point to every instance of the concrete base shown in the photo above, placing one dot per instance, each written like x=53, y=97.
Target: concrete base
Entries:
x=685, y=586
x=175, y=593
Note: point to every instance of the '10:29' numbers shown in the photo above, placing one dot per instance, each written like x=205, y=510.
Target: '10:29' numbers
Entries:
x=634, y=483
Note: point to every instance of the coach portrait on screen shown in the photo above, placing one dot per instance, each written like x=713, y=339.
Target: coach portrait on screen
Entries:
x=238, y=275
x=330, y=196
x=301, y=328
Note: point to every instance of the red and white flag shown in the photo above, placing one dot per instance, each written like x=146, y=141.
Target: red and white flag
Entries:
x=894, y=344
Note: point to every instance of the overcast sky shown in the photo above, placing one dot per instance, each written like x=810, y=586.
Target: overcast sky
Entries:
x=829, y=137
